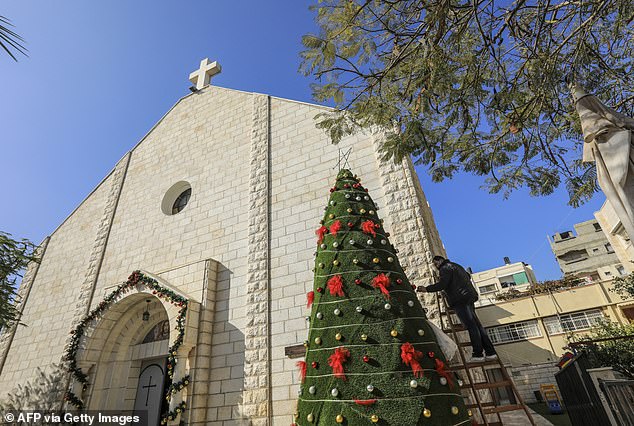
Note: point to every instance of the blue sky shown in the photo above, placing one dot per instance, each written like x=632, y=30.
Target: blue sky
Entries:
x=100, y=74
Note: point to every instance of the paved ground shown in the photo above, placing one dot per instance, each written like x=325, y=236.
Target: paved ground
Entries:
x=519, y=418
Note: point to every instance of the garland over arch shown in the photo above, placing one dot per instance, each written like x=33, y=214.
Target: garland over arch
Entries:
x=135, y=279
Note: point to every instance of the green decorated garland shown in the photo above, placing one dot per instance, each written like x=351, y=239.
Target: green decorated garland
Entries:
x=70, y=357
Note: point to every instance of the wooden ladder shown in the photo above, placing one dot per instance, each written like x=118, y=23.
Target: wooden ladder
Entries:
x=480, y=387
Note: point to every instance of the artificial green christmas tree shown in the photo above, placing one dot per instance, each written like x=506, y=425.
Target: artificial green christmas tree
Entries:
x=371, y=356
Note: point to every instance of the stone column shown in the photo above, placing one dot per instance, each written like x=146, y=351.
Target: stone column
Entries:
x=413, y=230
x=180, y=371
x=256, y=397
x=87, y=289
x=200, y=373
x=23, y=295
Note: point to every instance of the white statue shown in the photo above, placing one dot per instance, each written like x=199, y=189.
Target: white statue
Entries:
x=608, y=137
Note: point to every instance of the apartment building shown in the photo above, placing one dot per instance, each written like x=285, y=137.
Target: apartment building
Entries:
x=518, y=276
x=587, y=252
x=616, y=235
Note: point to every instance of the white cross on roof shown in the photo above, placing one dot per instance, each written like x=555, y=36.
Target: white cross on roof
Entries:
x=202, y=76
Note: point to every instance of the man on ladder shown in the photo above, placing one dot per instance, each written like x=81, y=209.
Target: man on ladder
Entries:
x=460, y=294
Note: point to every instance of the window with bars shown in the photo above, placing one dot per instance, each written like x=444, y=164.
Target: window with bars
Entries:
x=572, y=322
x=514, y=332
x=491, y=288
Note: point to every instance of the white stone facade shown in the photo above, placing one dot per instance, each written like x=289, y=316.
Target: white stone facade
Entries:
x=241, y=251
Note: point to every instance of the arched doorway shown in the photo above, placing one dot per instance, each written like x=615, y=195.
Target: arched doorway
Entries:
x=143, y=319
x=126, y=355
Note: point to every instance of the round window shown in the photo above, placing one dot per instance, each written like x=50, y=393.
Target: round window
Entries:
x=176, y=198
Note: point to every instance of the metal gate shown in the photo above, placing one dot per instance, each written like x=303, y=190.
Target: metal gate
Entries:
x=620, y=396
x=579, y=394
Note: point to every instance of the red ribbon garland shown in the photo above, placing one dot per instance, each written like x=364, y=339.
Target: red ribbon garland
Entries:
x=410, y=357
x=365, y=402
x=382, y=282
x=335, y=227
x=336, y=361
x=320, y=234
x=441, y=369
x=335, y=286
x=369, y=227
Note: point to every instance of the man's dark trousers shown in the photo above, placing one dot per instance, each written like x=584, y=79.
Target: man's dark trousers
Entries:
x=478, y=335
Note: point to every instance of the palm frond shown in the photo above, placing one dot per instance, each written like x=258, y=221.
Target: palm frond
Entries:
x=10, y=41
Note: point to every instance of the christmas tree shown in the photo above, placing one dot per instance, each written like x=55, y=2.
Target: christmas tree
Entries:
x=371, y=357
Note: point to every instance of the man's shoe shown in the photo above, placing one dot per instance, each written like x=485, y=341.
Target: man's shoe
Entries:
x=477, y=359
x=491, y=357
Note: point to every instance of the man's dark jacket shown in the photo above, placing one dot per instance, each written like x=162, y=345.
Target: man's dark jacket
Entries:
x=456, y=283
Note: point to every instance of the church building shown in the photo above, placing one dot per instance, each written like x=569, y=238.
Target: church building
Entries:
x=178, y=286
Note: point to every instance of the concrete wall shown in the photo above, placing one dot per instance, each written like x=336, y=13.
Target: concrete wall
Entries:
x=548, y=348
x=528, y=379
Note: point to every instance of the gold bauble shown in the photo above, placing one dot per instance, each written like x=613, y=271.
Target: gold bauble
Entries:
x=339, y=418
x=427, y=412
x=376, y=260
x=362, y=211
x=364, y=337
x=296, y=416
x=310, y=417
x=331, y=216
x=349, y=210
x=374, y=418
x=371, y=212
x=338, y=336
x=355, y=261
x=318, y=340
x=421, y=332
x=454, y=410
x=469, y=413
x=393, y=333
x=335, y=262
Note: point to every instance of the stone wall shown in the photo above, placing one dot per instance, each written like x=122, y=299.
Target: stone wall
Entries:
x=527, y=378
x=49, y=310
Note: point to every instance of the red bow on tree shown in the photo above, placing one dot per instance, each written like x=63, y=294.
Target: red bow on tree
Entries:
x=335, y=227
x=335, y=286
x=336, y=361
x=382, y=282
x=320, y=234
x=442, y=371
x=310, y=297
x=302, y=370
x=411, y=358
x=369, y=227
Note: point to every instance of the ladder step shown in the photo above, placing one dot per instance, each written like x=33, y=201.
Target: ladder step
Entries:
x=482, y=404
x=456, y=327
x=487, y=385
x=503, y=408
x=473, y=364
